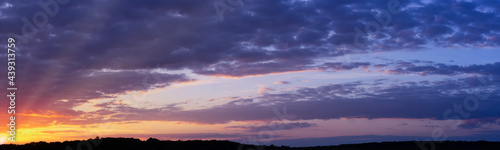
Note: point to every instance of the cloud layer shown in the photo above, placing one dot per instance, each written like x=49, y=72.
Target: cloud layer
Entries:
x=97, y=49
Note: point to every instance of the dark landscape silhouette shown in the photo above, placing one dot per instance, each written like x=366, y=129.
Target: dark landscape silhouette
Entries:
x=155, y=144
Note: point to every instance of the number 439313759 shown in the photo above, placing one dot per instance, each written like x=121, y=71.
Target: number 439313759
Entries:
x=11, y=57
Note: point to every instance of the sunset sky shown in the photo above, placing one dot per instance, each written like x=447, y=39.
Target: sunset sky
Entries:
x=283, y=72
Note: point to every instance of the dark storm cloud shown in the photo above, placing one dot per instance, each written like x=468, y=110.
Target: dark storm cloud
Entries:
x=188, y=34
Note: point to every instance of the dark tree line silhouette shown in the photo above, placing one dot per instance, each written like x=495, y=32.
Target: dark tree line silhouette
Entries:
x=155, y=144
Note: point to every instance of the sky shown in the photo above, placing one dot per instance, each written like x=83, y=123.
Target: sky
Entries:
x=283, y=72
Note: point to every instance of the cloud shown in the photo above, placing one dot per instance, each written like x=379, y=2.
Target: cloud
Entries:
x=135, y=35
x=417, y=67
x=282, y=82
x=240, y=101
x=479, y=123
x=264, y=90
x=444, y=69
x=59, y=90
x=279, y=126
x=338, y=66
x=380, y=99
x=338, y=140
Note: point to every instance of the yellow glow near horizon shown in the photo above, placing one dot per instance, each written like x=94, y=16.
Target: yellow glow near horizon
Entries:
x=60, y=132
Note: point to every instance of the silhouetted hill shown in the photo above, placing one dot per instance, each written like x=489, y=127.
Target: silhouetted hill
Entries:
x=154, y=144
